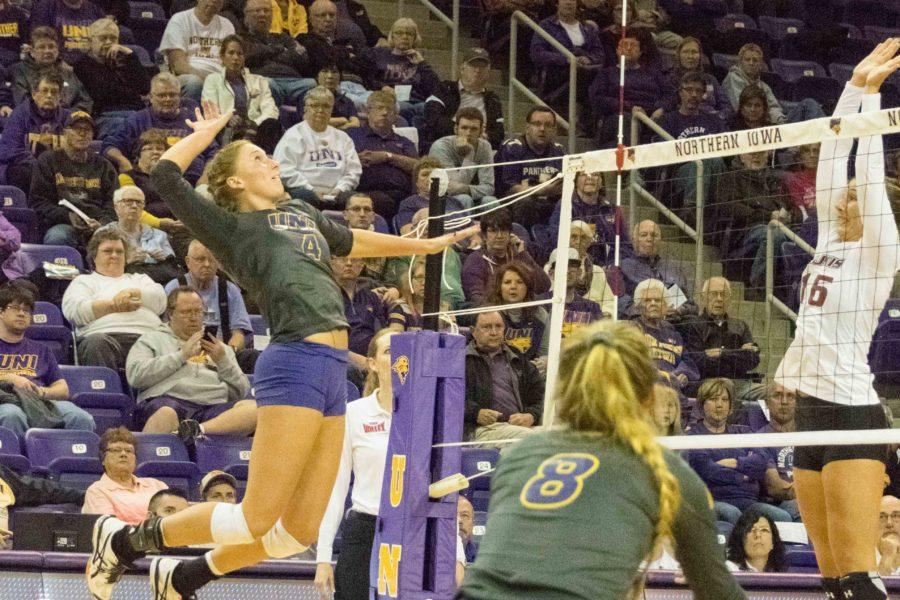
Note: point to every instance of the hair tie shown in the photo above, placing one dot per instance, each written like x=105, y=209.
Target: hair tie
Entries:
x=600, y=337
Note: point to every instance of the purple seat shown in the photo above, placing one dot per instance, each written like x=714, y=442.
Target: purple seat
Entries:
x=802, y=557
x=479, y=460
x=69, y=456
x=792, y=70
x=164, y=457
x=60, y=255
x=735, y=21
x=13, y=196
x=853, y=32
x=143, y=55
x=145, y=11
x=49, y=327
x=11, y=451
x=259, y=325
x=840, y=72
x=352, y=392
x=148, y=22
x=724, y=529
x=98, y=390
x=724, y=61
x=779, y=29
x=879, y=34
x=480, y=499
x=227, y=453
x=25, y=220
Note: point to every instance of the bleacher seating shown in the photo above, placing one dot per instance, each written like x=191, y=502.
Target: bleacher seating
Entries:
x=11, y=451
x=163, y=456
x=475, y=461
x=59, y=255
x=98, y=390
x=226, y=453
x=49, y=327
x=25, y=220
x=68, y=456
x=13, y=196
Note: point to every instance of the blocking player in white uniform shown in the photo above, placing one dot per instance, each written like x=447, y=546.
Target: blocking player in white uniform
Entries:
x=843, y=290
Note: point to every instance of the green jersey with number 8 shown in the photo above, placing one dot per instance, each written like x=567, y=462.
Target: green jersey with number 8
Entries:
x=572, y=516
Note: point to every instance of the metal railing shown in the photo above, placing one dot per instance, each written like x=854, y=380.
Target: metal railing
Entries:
x=452, y=22
x=516, y=85
x=771, y=300
x=636, y=189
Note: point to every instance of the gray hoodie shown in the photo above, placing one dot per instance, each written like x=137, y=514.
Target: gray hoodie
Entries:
x=735, y=82
x=155, y=367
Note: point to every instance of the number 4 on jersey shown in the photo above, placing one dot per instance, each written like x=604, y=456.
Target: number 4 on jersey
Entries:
x=558, y=481
x=817, y=292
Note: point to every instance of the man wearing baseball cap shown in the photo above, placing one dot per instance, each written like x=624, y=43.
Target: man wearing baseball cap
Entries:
x=469, y=90
x=218, y=486
x=79, y=175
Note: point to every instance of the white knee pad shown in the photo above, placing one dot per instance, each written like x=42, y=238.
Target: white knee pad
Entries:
x=228, y=525
x=281, y=544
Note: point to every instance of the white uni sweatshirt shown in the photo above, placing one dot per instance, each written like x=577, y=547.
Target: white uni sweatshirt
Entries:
x=85, y=289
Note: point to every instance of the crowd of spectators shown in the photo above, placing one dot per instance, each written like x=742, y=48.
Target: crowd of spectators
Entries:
x=359, y=120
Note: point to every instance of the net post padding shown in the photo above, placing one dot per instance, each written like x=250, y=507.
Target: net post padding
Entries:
x=414, y=551
x=557, y=311
x=775, y=137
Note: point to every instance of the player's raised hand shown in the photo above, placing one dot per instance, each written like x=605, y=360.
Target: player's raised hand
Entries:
x=882, y=53
x=209, y=119
x=879, y=73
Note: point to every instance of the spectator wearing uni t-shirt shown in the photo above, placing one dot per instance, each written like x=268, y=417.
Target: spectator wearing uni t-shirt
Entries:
x=30, y=367
x=191, y=44
x=71, y=20
x=13, y=31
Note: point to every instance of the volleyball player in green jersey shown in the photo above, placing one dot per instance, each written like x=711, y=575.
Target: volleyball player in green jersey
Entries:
x=574, y=512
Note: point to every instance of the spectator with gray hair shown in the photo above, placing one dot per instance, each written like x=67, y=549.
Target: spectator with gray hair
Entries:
x=666, y=344
x=110, y=308
x=149, y=250
x=43, y=57
x=166, y=114
x=387, y=158
x=113, y=76
x=467, y=148
x=720, y=345
x=186, y=379
x=318, y=162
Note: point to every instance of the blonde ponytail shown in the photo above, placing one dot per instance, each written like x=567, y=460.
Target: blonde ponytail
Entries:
x=605, y=375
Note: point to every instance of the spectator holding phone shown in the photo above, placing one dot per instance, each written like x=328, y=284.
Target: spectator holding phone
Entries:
x=186, y=378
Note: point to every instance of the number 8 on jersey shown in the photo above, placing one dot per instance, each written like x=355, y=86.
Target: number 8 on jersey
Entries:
x=558, y=481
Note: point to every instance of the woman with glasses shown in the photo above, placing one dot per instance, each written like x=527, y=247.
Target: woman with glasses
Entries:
x=119, y=492
x=315, y=157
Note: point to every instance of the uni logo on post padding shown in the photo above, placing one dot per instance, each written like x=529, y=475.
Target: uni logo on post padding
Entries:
x=398, y=469
x=401, y=368
x=389, y=568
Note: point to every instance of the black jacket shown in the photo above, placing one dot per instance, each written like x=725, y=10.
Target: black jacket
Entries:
x=275, y=55
x=89, y=186
x=441, y=108
x=120, y=86
x=352, y=61
x=360, y=16
x=479, y=391
x=34, y=491
x=701, y=333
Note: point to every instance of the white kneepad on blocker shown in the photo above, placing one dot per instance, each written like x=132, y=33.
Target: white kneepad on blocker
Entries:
x=229, y=526
x=281, y=544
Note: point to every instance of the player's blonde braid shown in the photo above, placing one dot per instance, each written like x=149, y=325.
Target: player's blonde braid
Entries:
x=606, y=377
x=221, y=167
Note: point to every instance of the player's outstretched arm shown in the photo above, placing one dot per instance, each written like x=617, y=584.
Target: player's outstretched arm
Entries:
x=368, y=244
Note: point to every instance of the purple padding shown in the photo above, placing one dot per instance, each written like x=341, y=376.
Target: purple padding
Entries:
x=762, y=581
x=69, y=561
x=10, y=559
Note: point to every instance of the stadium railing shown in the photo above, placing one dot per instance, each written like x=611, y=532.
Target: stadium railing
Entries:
x=771, y=300
x=451, y=22
x=516, y=85
x=636, y=189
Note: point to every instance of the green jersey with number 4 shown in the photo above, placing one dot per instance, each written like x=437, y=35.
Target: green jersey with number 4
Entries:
x=572, y=517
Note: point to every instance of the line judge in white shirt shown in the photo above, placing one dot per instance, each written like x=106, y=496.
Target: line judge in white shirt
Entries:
x=110, y=308
x=366, y=434
x=319, y=163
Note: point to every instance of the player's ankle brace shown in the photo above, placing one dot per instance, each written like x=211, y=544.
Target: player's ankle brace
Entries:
x=832, y=588
x=863, y=586
x=146, y=537
x=228, y=525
